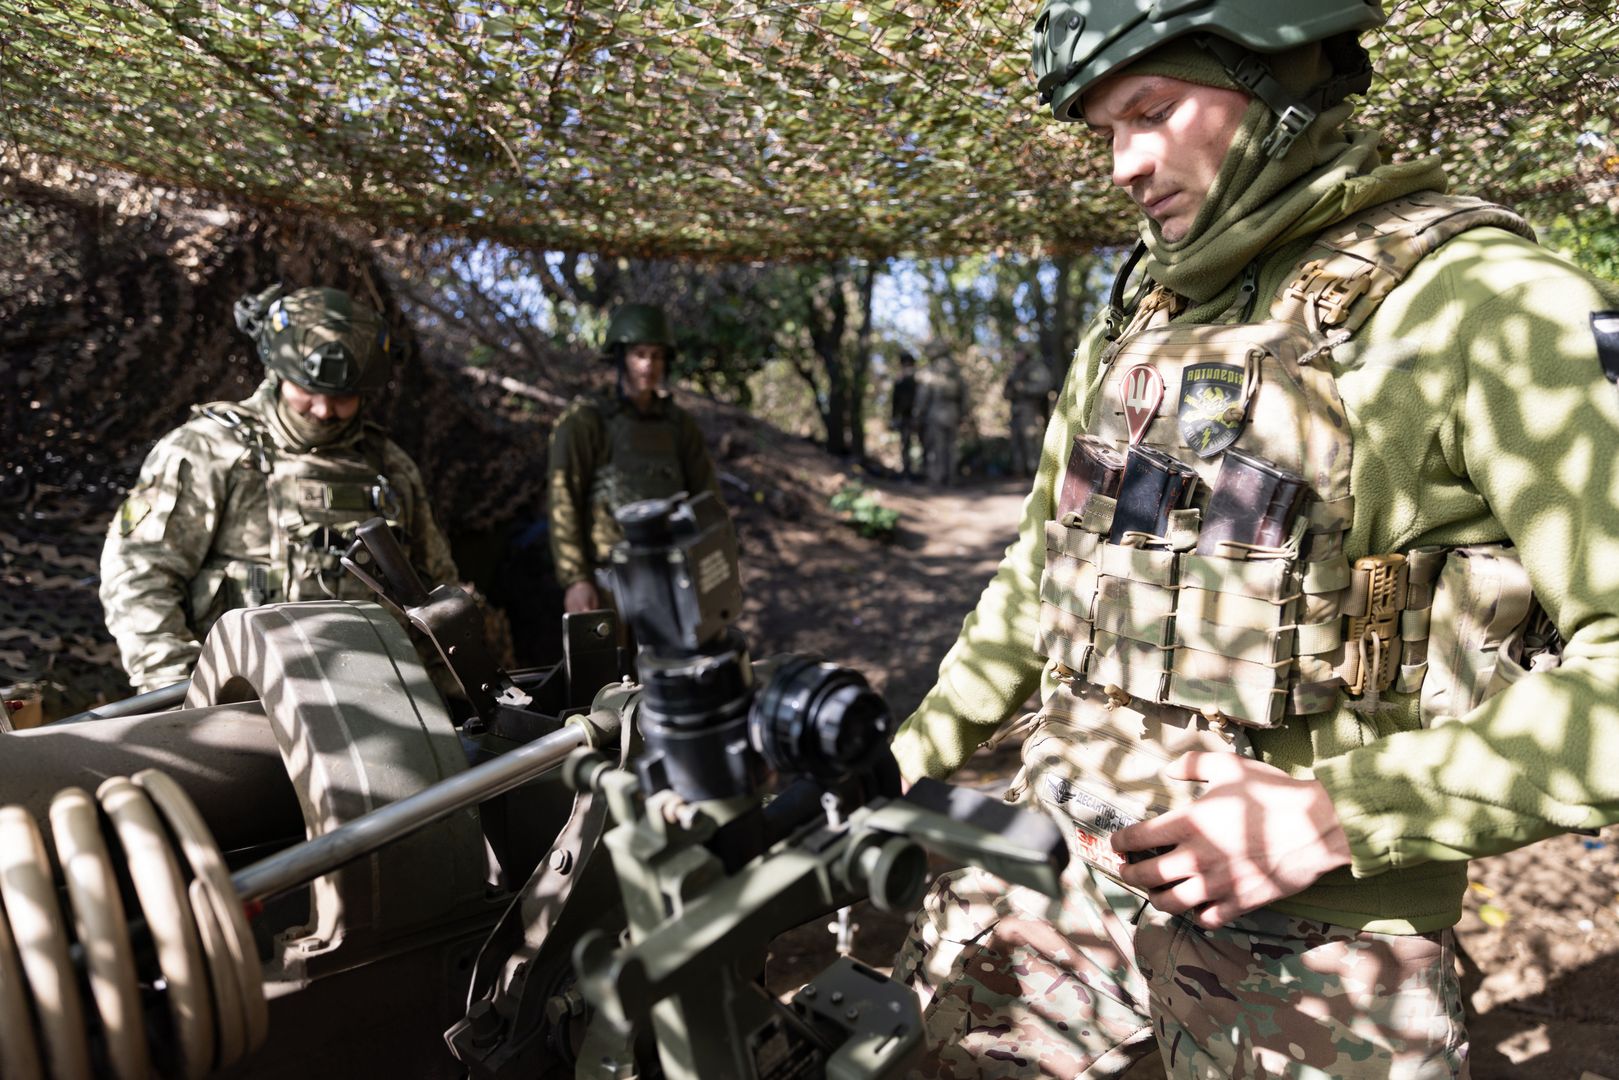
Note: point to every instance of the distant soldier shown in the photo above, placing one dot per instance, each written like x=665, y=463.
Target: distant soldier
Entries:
x=616, y=447
x=1028, y=392
x=253, y=502
x=903, y=410
x=941, y=401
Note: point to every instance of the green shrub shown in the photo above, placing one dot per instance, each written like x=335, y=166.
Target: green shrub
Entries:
x=863, y=508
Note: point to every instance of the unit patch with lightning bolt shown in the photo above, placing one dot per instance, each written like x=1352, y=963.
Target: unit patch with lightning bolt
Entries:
x=1212, y=406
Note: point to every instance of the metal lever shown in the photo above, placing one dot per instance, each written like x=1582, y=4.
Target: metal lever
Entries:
x=376, y=558
x=448, y=616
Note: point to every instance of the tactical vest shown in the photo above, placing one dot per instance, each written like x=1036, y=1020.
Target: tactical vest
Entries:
x=1160, y=649
x=642, y=462
x=316, y=502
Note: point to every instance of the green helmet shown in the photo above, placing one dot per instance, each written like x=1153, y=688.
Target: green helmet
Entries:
x=1077, y=43
x=320, y=339
x=637, y=324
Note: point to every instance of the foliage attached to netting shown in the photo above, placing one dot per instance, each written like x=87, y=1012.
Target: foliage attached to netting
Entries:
x=726, y=129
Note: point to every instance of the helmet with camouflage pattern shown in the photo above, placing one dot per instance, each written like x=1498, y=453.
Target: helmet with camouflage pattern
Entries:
x=637, y=324
x=1078, y=43
x=321, y=339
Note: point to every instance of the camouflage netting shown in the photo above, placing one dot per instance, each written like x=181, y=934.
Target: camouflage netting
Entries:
x=726, y=129
x=115, y=317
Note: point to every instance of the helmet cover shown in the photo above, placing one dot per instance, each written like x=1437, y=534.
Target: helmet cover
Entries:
x=320, y=339
x=1078, y=43
x=637, y=324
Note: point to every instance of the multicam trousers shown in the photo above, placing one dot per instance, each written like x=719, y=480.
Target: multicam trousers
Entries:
x=1014, y=985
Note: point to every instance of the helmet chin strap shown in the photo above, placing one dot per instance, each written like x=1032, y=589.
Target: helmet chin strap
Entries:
x=1293, y=114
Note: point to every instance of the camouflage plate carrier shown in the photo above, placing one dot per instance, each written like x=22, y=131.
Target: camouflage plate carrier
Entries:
x=1161, y=649
x=604, y=456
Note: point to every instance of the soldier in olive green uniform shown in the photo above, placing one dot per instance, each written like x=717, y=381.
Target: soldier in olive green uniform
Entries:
x=252, y=502
x=1275, y=729
x=616, y=447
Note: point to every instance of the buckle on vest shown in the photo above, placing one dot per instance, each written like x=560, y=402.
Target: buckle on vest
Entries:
x=1378, y=593
x=257, y=590
x=1331, y=294
x=385, y=499
x=1289, y=126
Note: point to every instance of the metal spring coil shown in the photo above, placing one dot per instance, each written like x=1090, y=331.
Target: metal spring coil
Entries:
x=144, y=962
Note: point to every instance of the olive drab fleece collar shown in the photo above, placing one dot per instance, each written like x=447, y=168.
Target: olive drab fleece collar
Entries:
x=295, y=432
x=1257, y=203
x=614, y=400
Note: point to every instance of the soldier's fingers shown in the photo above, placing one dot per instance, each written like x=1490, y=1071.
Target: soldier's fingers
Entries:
x=1208, y=766
x=1214, y=916
x=1233, y=895
x=1163, y=831
x=1177, y=864
x=1181, y=897
x=1223, y=911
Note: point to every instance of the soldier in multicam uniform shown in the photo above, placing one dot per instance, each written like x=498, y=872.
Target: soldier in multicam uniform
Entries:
x=253, y=502
x=1028, y=393
x=1276, y=731
x=616, y=447
x=941, y=402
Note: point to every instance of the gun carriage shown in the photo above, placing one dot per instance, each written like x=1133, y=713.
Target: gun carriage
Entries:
x=320, y=863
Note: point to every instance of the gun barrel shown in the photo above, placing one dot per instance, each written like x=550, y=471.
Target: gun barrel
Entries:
x=307, y=861
x=162, y=699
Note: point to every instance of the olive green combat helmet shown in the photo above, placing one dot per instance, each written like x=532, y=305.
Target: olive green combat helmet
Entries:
x=320, y=339
x=1077, y=43
x=637, y=324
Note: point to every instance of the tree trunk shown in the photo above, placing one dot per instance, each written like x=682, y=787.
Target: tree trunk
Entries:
x=829, y=317
x=860, y=364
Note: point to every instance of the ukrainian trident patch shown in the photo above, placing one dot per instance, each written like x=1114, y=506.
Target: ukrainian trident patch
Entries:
x=1141, y=391
x=1212, y=406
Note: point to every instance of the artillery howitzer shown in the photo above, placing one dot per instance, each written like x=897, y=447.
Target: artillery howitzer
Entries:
x=422, y=902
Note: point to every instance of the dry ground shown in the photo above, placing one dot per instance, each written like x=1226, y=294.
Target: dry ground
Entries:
x=1541, y=930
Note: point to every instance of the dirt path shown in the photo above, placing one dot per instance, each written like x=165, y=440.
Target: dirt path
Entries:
x=890, y=611
x=950, y=543
x=1541, y=928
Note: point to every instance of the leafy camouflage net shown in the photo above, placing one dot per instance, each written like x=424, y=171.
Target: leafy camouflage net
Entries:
x=725, y=130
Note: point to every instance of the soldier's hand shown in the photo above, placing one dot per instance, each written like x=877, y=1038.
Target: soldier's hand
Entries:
x=1254, y=836
x=581, y=596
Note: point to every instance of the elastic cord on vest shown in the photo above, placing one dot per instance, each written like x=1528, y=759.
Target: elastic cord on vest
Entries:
x=1116, y=311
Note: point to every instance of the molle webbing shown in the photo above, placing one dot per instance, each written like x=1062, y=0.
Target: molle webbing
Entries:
x=1285, y=630
x=643, y=459
x=1338, y=284
x=315, y=503
x=1349, y=269
x=1375, y=639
